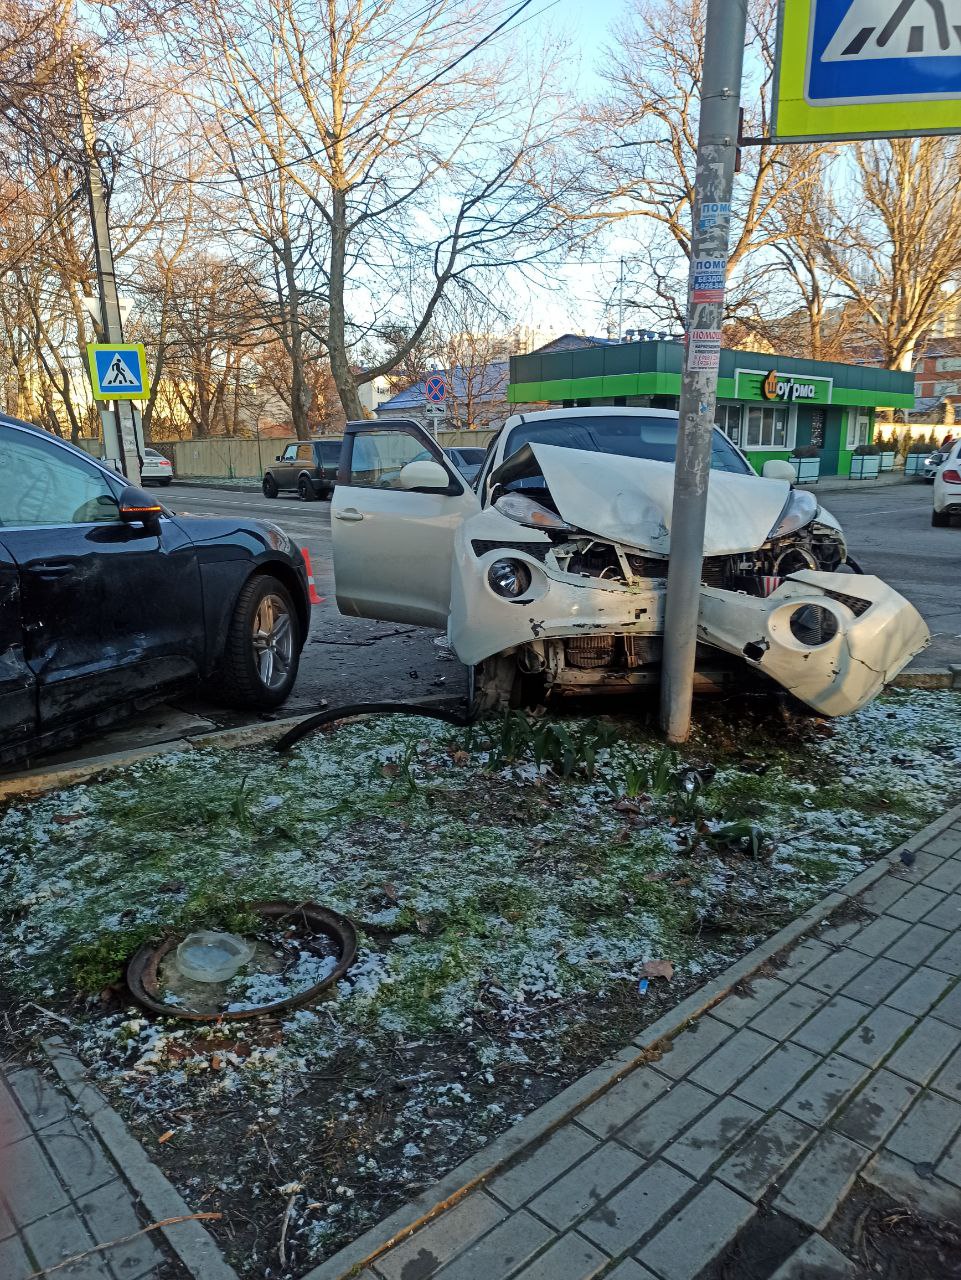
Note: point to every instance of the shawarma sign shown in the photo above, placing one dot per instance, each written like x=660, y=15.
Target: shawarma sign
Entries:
x=781, y=388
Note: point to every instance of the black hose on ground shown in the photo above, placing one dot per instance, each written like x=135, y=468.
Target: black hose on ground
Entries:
x=290, y=739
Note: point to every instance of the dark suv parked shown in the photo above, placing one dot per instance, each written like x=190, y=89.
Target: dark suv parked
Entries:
x=308, y=469
x=109, y=601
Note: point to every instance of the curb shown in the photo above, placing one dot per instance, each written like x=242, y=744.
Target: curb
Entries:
x=347, y=1262
x=844, y=484
x=929, y=678
x=192, y=1243
x=195, y=482
x=34, y=782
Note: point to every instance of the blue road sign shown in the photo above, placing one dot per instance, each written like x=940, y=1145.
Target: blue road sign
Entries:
x=118, y=370
x=867, y=69
x=884, y=50
x=436, y=389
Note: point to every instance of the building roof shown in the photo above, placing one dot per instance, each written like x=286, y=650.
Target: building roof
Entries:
x=573, y=342
x=654, y=368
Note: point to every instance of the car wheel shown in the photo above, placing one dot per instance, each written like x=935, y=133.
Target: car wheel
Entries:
x=498, y=684
x=940, y=519
x=305, y=490
x=269, y=487
x=850, y=565
x=261, y=655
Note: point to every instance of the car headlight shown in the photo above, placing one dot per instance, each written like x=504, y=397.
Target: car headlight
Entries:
x=277, y=538
x=509, y=578
x=799, y=510
x=526, y=511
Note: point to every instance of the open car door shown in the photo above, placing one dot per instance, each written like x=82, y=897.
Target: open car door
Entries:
x=395, y=511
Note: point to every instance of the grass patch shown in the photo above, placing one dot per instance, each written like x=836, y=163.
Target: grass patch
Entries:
x=509, y=882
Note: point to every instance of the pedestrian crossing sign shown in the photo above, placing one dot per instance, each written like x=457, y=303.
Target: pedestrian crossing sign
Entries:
x=867, y=69
x=118, y=370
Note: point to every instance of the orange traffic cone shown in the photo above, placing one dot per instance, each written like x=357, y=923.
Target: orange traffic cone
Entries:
x=311, y=585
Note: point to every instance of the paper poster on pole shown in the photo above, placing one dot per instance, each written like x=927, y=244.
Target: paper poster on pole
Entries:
x=704, y=349
x=708, y=280
x=867, y=69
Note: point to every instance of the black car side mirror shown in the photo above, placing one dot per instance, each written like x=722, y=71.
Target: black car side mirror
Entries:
x=276, y=457
x=138, y=507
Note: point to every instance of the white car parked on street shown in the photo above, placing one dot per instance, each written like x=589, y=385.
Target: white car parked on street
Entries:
x=947, y=488
x=550, y=576
x=156, y=467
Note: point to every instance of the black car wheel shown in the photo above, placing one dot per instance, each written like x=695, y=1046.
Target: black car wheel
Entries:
x=498, y=684
x=940, y=519
x=305, y=490
x=269, y=487
x=262, y=653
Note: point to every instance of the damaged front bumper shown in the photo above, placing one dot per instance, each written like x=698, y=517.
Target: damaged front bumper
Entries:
x=832, y=640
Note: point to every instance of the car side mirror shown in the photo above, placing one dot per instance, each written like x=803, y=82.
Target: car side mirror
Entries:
x=138, y=507
x=276, y=457
x=778, y=469
x=424, y=474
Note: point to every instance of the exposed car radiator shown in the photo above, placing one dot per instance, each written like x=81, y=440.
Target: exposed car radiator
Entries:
x=589, y=652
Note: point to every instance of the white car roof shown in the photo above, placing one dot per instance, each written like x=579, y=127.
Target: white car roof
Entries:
x=591, y=411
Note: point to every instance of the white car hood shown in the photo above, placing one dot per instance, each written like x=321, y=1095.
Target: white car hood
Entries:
x=630, y=500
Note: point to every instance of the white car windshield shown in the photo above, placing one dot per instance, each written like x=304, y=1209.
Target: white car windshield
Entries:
x=631, y=437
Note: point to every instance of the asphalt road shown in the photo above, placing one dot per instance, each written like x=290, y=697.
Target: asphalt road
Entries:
x=889, y=532
x=351, y=660
x=345, y=659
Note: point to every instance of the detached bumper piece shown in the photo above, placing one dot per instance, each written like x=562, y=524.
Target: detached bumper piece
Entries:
x=832, y=640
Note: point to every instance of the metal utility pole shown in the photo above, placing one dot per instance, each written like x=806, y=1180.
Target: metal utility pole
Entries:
x=726, y=26
x=120, y=436
x=620, y=304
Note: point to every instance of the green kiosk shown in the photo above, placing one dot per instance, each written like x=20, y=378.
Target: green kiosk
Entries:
x=768, y=405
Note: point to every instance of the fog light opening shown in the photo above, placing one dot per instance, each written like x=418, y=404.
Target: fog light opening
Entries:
x=509, y=578
x=813, y=625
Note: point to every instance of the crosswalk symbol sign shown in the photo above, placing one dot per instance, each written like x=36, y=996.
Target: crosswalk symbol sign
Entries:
x=867, y=69
x=118, y=370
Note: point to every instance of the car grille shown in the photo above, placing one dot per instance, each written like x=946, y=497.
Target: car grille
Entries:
x=538, y=550
x=713, y=574
x=854, y=603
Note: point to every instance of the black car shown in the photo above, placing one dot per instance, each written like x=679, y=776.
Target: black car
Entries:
x=467, y=460
x=308, y=469
x=108, y=601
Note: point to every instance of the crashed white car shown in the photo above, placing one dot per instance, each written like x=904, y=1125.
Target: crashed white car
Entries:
x=550, y=576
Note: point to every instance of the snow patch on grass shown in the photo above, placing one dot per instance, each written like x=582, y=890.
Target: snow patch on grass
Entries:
x=503, y=913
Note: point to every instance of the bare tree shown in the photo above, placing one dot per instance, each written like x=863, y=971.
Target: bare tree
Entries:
x=209, y=382
x=367, y=156
x=472, y=344
x=892, y=240
x=636, y=166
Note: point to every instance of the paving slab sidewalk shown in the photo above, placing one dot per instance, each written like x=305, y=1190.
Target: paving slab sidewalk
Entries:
x=837, y=1066
x=840, y=1067
x=73, y=1178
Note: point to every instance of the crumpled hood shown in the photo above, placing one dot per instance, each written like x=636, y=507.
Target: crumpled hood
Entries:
x=630, y=500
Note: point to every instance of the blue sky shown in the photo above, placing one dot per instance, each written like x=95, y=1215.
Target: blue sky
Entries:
x=589, y=20
x=578, y=298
